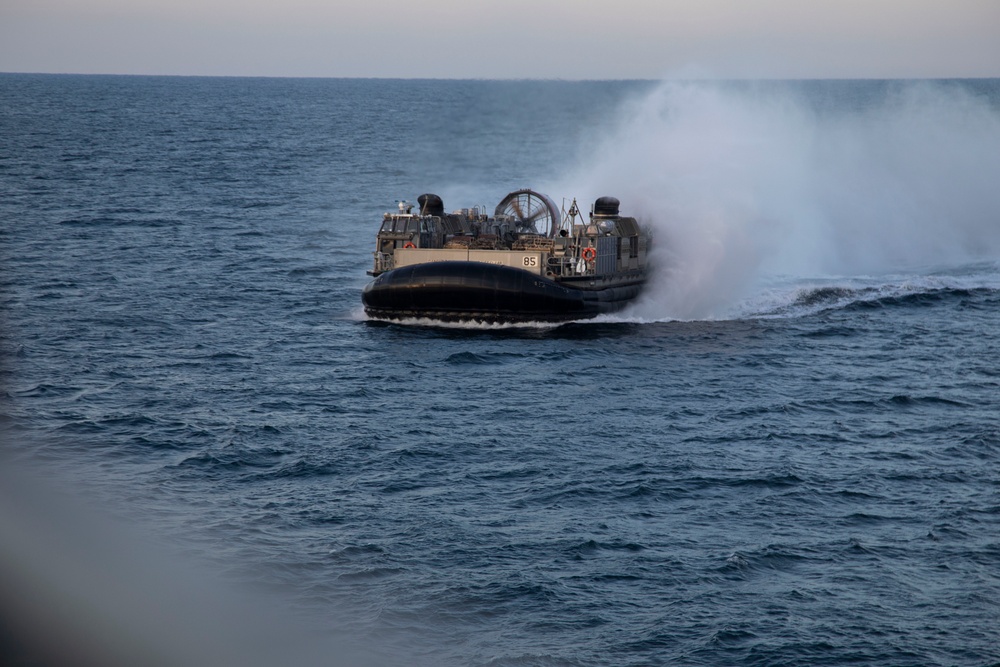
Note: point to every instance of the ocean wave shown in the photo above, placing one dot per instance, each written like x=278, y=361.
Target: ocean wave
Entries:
x=804, y=299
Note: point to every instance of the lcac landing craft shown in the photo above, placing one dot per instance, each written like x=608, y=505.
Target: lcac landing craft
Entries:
x=525, y=263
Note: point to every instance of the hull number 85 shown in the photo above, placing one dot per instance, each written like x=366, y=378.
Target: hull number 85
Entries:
x=530, y=261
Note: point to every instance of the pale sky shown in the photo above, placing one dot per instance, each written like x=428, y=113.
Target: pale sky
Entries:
x=581, y=39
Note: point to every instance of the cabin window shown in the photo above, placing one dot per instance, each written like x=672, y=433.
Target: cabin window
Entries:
x=633, y=246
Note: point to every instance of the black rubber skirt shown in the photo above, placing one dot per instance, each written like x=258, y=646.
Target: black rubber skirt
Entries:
x=476, y=291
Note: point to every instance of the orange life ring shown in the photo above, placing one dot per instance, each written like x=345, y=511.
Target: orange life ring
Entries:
x=589, y=254
x=409, y=244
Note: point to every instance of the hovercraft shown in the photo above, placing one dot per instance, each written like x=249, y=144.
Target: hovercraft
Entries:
x=527, y=262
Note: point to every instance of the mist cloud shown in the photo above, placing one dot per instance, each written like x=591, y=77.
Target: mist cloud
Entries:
x=743, y=181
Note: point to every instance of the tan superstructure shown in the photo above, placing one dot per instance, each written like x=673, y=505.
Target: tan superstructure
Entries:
x=526, y=232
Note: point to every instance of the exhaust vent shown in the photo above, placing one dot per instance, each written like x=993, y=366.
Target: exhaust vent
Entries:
x=606, y=207
x=431, y=205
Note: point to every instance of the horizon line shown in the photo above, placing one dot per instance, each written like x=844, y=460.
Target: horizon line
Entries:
x=508, y=79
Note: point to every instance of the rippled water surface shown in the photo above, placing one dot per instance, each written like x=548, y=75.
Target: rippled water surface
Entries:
x=781, y=465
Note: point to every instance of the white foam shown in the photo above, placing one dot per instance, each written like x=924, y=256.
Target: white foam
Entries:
x=469, y=325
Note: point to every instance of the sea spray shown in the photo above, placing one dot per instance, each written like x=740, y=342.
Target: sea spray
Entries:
x=746, y=181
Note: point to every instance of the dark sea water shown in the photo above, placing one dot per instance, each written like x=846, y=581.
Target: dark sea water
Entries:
x=788, y=453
